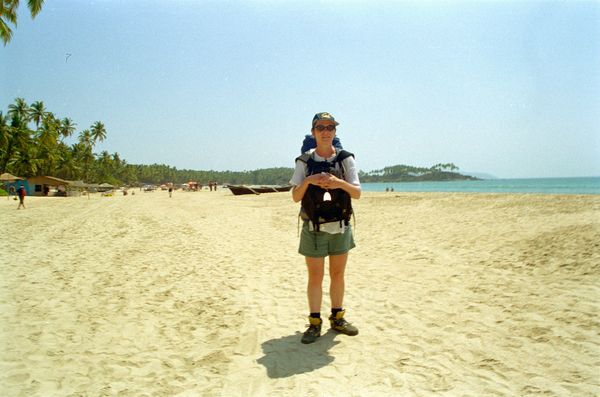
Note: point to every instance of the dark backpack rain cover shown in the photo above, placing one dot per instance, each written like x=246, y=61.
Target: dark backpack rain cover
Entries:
x=314, y=207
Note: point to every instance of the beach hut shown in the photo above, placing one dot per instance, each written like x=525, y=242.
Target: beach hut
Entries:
x=105, y=187
x=10, y=180
x=6, y=177
x=41, y=185
x=76, y=188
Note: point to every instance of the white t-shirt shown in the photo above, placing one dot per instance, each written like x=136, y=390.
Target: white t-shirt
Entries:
x=350, y=175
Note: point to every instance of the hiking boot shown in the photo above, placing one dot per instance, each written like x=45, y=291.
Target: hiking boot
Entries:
x=313, y=331
x=342, y=326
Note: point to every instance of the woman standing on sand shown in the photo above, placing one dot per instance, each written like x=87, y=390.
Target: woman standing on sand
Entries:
x=332, y=239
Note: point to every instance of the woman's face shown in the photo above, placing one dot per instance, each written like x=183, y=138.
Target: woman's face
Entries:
x=324, y=131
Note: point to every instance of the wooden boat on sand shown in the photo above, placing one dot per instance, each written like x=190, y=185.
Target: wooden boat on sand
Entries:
x=252, y=189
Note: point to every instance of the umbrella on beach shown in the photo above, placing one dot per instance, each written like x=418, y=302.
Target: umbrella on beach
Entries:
x=6, y=177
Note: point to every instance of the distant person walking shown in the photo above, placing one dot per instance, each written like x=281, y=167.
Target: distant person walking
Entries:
x=21, y=193
x=170, y=191
x=326, y=174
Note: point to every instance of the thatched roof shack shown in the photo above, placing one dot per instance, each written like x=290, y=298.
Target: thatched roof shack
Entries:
x=40, y=185
x=76, y=188
x=105, y=187
x=6, y=177
x=11, y=183
x=77, y=185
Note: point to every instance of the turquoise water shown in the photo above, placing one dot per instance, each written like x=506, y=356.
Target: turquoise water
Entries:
x=584, y=185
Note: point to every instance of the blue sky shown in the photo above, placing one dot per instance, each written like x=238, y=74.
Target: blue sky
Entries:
x=509, y=88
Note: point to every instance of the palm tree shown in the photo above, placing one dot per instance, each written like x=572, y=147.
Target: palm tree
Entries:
x=49, y=131
x=48, y=159
x=4, y=134
x=19, y=109
x=8, y=13
x=98, y=132
x=37, y=111
x=104, y=166
x=129, y=176
x=27, y=162
x=67, y=127
x=117, y=159
x=85, y=145
x=19, y=144
x=85, y=138
x=67, y=167
x=105, y=160
x=47, y=143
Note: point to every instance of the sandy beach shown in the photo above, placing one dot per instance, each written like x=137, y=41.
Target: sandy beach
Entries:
x=203, y=294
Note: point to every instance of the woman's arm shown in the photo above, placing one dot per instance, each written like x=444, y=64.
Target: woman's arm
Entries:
x=350, y=183
x=353, y=190
x=299, y=190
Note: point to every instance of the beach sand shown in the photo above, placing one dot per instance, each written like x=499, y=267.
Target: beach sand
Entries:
x=203, y=294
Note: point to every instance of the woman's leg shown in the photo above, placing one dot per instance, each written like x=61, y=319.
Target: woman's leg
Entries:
x=314, y=290
x=337, y=267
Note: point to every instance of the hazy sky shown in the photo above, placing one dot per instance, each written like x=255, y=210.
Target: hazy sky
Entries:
x=510, y=88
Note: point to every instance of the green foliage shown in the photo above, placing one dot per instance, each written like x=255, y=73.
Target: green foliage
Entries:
x=31, y=143
x=160, y=173
x=8, y=15
x=3, y=193
x=111, y=180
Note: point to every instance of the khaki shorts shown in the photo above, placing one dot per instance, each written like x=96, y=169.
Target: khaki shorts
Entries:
x=321, y=244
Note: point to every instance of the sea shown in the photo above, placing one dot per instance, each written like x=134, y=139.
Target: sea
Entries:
x=579, y=185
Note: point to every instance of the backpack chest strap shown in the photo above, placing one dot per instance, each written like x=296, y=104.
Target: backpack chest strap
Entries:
x=314, y=166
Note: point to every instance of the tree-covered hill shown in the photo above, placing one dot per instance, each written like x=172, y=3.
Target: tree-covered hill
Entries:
x=407, y=173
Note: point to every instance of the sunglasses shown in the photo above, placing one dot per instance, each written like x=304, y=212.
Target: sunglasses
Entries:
x=325, y=127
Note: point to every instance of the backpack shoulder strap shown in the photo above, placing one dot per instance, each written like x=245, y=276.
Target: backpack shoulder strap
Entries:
x=343, y=155
x=304, y=157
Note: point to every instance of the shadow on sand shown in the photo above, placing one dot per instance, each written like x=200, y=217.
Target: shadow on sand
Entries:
x=286, y=356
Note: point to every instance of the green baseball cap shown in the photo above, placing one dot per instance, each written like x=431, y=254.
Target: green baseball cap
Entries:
x=323, y=116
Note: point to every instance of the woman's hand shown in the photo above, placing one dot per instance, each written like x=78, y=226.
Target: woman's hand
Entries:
x=325, y=181
x=316, y=179
x=329, y=181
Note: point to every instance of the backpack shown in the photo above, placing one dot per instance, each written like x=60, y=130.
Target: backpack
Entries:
x=317, y=206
